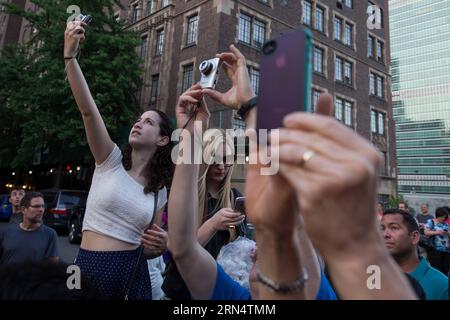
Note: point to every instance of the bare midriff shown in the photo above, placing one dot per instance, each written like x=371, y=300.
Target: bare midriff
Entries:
x=94, y=241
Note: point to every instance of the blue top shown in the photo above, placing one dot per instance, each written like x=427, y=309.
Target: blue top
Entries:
x=228, y=289
x=17, y=245
x=440, y=242
x=433, y=282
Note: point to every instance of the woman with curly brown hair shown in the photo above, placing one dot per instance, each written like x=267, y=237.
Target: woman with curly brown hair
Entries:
x=128, y=190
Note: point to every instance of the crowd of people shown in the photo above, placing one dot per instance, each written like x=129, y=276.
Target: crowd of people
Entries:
x=155, y=228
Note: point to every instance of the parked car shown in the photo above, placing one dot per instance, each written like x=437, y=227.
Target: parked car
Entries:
x=5, y=207
x=59, y=206
x=75, y=224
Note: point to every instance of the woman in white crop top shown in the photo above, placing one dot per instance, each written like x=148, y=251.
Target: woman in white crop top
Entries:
x=127, y=191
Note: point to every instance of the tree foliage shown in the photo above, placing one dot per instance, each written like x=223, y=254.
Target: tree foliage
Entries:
x=39, y=114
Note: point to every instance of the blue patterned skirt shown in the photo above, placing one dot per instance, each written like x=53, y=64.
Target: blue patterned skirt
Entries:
x=111, y=273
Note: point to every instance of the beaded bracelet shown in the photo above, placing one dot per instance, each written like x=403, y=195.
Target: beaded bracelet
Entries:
x=284, y=288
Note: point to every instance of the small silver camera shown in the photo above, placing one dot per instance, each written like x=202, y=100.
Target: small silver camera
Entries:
x=84, y=18
x=209, y=71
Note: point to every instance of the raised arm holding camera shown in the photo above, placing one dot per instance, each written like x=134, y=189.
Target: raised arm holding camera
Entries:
x=128, y=189
x=333, y=173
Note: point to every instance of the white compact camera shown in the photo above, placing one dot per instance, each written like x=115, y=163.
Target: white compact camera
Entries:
x=209, y=71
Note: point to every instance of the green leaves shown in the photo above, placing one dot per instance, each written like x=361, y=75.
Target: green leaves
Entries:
x=36, y=104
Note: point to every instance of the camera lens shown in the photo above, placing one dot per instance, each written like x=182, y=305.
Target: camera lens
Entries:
x=269, y=47
x=206, y=67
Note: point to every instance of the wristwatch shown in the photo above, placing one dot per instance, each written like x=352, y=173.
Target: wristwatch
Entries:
x=246, y=107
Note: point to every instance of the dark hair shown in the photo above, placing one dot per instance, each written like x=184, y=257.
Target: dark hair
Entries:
x=160, y=168
x=410, y=222
x=441, y=212
x=406, y=205
x=26, y=200
x=15, y=188
x=416, y=286
x=41, y=280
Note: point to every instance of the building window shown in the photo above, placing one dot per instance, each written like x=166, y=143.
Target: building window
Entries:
x=370, y=44
x=344, y=70
x=254, y=79
x=188, y=77
x=144, y=45
x=348, y=39
x=380, y=51
x=134, y=13
x=338, y=69
x=377, y=122
x=348, y=69
x=307, y=12
x=259, y=33
x=192, y=30
x=318, y=60
x=338, y=107
x=376, y=85
x=348, y=3
x=372, y=84
x=159, y=42
x=344, y=111
x=245, y=23
x=380, y=87
x=149, y=7
x=164, y=3
x=154, y=90
x=348, y=114
x=320, y=13
x=251, y=31
x=238, y=124
x=316, y=94
x=381, y=121
x=337, y=28
x=373, y=121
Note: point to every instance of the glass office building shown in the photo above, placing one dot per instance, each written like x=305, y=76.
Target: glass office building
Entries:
x=420, y=53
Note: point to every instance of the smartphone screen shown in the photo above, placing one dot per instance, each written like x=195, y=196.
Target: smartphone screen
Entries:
x=285, y=81
x=239, y=205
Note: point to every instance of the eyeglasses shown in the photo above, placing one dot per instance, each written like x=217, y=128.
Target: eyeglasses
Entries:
x=37, y=206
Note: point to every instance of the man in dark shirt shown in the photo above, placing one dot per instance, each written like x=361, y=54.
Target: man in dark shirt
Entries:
x=29, y=240
x=15, y=197
x=423, y=216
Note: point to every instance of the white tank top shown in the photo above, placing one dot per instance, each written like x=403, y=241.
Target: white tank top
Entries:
x=117, y=206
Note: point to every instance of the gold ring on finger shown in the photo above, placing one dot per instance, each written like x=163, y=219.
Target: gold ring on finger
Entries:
x=308, y=155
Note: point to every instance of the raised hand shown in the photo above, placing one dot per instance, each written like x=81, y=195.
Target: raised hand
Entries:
x=235, y=67
x=74, y=34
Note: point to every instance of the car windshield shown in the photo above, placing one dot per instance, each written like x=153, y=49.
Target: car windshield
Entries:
x=49, y=197
x=70, y=199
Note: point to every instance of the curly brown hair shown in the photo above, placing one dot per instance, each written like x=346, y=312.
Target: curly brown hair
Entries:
x=160, y=168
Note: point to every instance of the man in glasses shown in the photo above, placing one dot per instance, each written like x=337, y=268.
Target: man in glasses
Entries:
x=29, y=240
x=15, y=197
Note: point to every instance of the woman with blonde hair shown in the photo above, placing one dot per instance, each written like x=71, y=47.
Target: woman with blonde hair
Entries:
x=219, y=223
